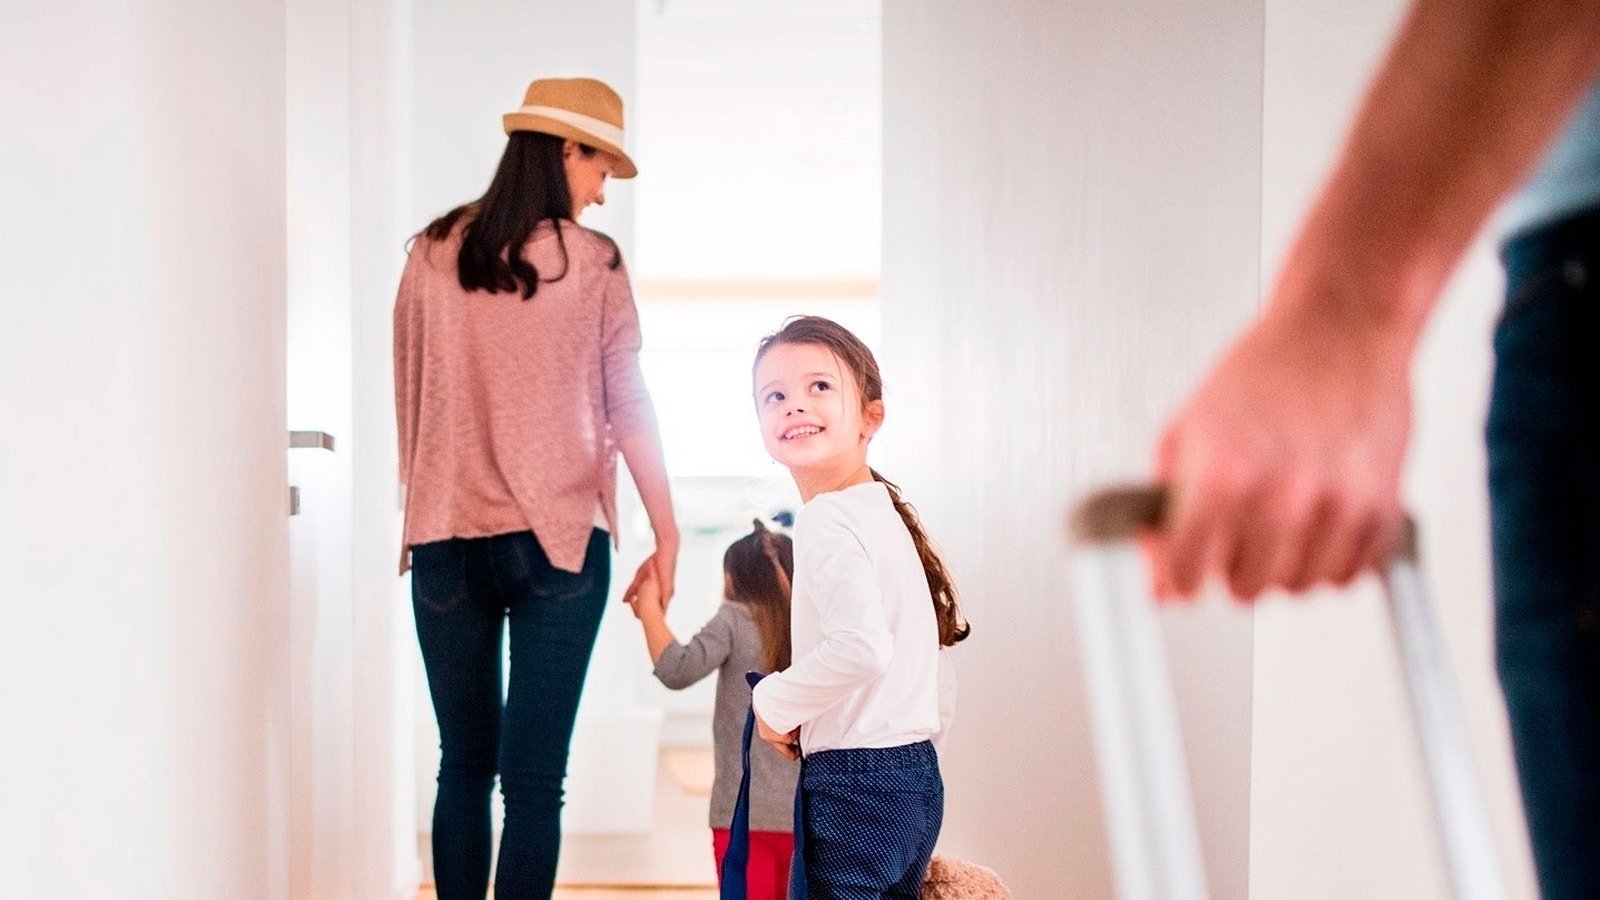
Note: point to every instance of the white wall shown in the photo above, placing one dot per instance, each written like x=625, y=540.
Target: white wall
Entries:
x=143, y=667
x=1339, y=807
x=1071, y=216
x=474, y=58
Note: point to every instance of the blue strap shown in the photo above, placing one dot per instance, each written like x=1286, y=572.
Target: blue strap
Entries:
x=797, y=864
x=736, y=861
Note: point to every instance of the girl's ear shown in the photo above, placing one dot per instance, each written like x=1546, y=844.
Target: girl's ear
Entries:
x=871, y=419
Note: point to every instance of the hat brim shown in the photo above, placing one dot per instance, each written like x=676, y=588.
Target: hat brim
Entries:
x=521, y=121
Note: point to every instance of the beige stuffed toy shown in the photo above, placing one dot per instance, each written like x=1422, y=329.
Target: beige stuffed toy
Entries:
x=952, y=879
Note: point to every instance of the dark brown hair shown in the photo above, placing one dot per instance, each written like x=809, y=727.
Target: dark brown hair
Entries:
x=760, y=570
x=849, y=350
x=529, y=187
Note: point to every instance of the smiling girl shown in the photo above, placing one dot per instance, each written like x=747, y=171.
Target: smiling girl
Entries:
x=869, y=690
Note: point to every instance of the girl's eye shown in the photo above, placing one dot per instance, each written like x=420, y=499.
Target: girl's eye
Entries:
x=821, y=385
x=773, y=397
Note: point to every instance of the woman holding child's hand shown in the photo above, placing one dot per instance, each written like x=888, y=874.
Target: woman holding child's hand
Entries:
x=517, y=383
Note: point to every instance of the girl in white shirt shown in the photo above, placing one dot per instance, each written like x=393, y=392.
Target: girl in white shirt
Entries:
x=872, y=607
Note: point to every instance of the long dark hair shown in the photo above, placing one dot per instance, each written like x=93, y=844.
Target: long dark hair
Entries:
x=849, y=350
x=529, y=187
x=760, y=570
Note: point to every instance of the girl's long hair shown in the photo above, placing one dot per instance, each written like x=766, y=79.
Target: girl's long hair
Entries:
x=760, y=571
x=858, y=359
x=529, y=187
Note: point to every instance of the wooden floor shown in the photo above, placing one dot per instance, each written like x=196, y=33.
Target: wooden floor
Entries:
x=672, y=863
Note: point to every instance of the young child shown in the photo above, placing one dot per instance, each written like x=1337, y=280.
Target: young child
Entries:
x=750, y=632
x=873, y=606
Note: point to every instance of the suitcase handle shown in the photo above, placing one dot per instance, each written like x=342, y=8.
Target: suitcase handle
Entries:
x=1132, y=701
x=1121, y=513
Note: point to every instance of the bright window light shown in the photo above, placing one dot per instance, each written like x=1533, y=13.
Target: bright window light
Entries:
x=697, y=359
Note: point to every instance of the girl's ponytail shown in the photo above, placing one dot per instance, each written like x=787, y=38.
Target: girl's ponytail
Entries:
x=952, y=627
x=759, y=569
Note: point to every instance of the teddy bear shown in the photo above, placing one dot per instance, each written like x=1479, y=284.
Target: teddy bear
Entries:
x=952, y=879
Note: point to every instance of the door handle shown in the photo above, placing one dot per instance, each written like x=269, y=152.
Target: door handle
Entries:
x=310, y=440
x=306, y=440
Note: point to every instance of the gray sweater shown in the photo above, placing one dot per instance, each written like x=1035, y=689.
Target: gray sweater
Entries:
x=730, y=646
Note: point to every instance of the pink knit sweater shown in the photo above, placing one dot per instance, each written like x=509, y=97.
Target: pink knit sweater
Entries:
x=510, y=410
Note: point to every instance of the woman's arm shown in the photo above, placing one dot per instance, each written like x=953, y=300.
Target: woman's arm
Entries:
x=406, y=333
x=647, y=463
x=632, y=419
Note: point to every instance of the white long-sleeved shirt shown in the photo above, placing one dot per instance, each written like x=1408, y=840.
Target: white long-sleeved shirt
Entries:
x=867, y=671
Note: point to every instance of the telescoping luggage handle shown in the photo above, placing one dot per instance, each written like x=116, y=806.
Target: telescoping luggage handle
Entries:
x=1149, y=810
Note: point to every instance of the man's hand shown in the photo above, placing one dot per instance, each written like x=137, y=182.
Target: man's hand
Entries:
x=787, y=744
x=1284, y=467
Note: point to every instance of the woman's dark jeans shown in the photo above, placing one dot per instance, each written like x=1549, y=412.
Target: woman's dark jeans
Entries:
x=463, y=592
x=1544, y=488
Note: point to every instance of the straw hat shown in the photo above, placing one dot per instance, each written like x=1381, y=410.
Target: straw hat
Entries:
x=579, y=109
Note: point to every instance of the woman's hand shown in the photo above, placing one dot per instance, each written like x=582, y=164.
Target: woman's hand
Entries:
x=665, y=561
x=655, y=575
x=787, y=744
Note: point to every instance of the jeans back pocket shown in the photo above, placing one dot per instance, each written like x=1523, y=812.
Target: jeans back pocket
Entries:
x=439, y=575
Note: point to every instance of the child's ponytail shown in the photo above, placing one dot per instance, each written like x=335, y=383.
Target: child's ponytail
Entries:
x=952, y=627
x=759, y=569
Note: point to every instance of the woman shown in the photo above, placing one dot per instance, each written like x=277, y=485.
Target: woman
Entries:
x=517, y=381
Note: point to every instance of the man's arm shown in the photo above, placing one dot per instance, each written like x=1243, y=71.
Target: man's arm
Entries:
x=1284, y=466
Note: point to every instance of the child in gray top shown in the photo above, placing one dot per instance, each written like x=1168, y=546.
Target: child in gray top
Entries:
x=750, y=632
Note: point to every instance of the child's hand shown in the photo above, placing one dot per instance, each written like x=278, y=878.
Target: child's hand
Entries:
x=645, y=595
x=788, y=745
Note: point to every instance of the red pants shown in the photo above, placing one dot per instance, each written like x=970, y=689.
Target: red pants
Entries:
x=768, y=871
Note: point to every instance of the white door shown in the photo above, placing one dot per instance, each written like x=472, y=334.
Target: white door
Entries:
x=322, y=804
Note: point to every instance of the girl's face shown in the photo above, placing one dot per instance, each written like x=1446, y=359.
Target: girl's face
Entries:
x=810, y=410
x=586, y=176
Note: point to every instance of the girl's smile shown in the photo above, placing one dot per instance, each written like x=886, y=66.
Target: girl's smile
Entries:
x=812, y=419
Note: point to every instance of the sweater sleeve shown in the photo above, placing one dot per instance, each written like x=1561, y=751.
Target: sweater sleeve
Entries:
x=681, y=665
x=627, y=400
x=407, y=356
x=857, y=645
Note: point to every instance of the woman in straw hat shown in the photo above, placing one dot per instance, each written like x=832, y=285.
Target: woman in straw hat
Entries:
x=517, y=381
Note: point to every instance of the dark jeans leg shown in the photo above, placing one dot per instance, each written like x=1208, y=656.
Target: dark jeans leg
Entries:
x=1544, y=480
x=463, y=591
x=555, y=617
x=460, y=617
